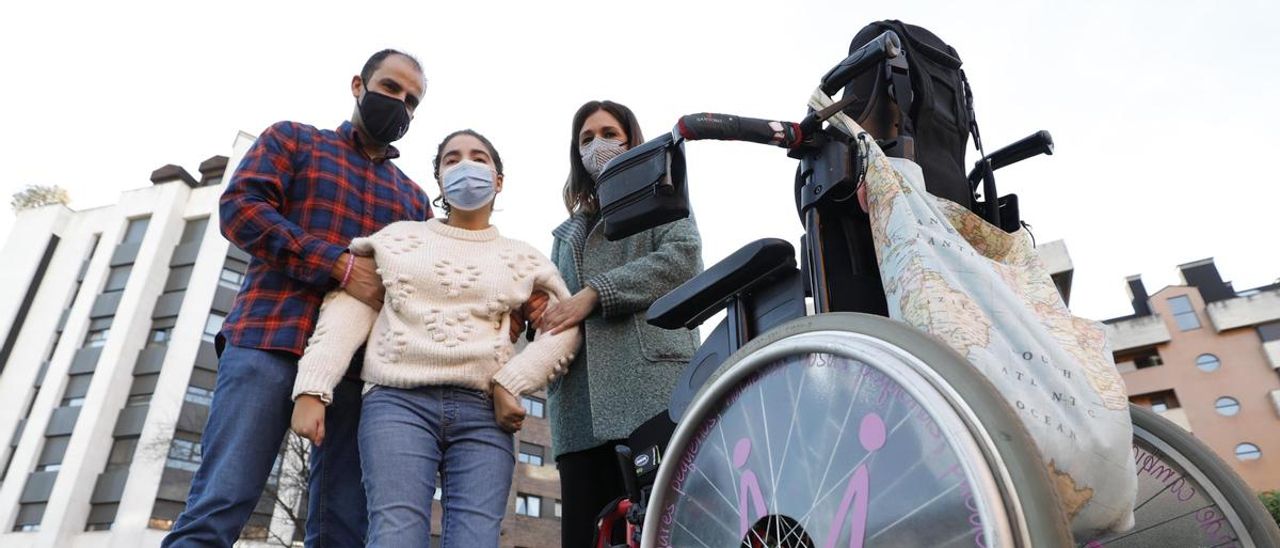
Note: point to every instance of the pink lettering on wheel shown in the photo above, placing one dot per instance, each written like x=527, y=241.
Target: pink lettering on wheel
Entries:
x=872, y=434
x=748, y=485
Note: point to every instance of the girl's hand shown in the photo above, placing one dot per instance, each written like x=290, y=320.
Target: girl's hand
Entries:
x=531, y=311
x=308, y=418
x=568, y=313
x=536, y=307
x=507, y=409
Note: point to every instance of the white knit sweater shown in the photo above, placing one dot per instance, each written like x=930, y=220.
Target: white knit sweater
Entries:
x=446, y=317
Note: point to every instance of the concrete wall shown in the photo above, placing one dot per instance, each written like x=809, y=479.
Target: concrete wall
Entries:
x=1137, y=332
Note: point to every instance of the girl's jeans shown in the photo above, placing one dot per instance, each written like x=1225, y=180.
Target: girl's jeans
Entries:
x=406, y=437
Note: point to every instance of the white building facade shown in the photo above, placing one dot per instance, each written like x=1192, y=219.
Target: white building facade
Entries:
x=107, y=321
x=107, y=370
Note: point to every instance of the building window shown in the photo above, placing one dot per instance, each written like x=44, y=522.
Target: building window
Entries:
x=49, y=467
x=531, y=505
x=230, y=279
x=137, y=400
x=535, y=407
x=136, y=230
x=117, y=278
x=1148, y=358
x=160, y=336
x=121, y=453
x=1183, y=313
x=254, y=532
x=1158, y=402
x=77, y=401
x=184, y=455
x=212, y=326
x=96, y=338
x=557, y=509
x=101, y=515
x=29, y=516
x=193, y=231
x=198, y=395
x=531, y=453
x=1227, y=406
x=1269, y=332
x=1208, y=363
x=1248, y=451
x=274, y=477
x=164, y=513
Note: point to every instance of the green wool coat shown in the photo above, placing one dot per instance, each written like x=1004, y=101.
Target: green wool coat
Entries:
x=626, y=369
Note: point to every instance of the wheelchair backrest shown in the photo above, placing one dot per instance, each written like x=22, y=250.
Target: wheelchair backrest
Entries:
x=933, y=127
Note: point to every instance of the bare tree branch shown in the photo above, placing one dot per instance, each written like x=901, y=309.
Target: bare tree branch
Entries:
x=287, y=494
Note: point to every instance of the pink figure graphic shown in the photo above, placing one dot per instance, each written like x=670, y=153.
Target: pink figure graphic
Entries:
x=871, y=433
x=749, y=482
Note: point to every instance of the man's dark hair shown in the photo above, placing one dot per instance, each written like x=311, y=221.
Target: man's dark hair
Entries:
x=376, y=59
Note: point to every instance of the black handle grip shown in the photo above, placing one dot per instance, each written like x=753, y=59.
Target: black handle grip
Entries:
x=885, y=46
x=727, y=127
x=629, y=479
x=1035, y=144
x=1030, y=146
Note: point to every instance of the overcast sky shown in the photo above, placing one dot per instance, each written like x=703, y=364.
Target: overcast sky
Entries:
x=1164, y=112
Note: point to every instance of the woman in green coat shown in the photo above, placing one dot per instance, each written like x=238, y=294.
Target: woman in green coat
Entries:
x=625, y=372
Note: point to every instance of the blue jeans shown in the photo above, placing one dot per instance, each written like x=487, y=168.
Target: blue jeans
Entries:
x=248, y=419
x=406, y=437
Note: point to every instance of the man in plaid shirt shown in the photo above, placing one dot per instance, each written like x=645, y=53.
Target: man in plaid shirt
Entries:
x=298, y=198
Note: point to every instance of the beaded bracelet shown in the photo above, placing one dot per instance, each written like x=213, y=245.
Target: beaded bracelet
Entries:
x=346, y=277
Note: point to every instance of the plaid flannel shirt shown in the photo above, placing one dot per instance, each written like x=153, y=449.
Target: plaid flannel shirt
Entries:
x=294, y=204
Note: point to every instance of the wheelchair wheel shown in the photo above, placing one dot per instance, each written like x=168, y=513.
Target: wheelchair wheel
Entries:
x=1186, y=495
x=850, y=430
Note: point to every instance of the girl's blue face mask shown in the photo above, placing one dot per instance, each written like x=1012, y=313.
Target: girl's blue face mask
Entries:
x=468, y=185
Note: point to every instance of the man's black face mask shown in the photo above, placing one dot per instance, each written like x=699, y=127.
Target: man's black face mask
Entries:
x=385, y=118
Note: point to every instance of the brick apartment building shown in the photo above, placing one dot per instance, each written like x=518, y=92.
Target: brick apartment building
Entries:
x=1207, y=356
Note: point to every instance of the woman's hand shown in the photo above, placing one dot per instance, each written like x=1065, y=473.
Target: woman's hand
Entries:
x=568, y=313
x=507, y=409
x=308, y=418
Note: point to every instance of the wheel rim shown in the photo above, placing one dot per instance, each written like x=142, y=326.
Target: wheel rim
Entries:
x=904, y=443
x=1176, y=502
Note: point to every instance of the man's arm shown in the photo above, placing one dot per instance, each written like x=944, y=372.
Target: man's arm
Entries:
x=250, y=210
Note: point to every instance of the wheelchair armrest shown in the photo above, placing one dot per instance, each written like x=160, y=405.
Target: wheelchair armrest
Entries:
x=707, y=293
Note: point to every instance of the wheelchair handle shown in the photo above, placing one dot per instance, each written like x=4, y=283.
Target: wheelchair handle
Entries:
x=885, y=46
x=727, y=127
x=629, y=479
x=1030, y=146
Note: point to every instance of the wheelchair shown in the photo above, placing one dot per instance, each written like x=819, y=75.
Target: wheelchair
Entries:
x=871, y=432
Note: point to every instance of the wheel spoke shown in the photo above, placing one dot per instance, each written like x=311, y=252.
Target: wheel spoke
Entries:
x=908, y=469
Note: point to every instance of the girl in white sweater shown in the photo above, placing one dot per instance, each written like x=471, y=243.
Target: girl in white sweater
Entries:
x=442, y=382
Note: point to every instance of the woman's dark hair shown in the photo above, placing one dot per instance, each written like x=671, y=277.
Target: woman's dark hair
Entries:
x=435, y=162
x=580, y=188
